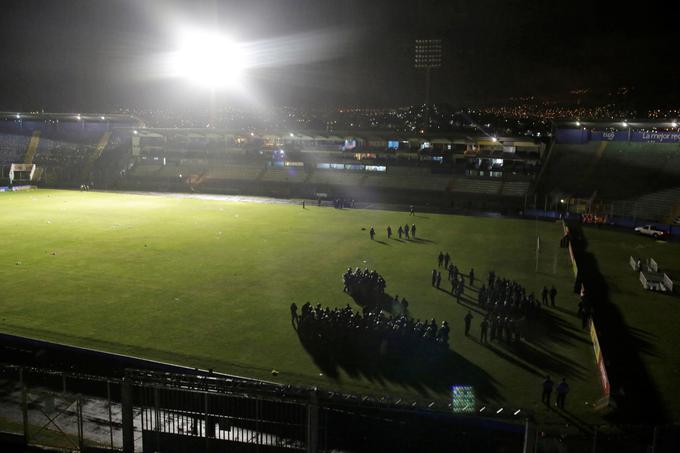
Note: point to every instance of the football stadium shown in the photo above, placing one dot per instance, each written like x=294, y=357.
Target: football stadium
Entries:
x=339, y=227
x=185, y=250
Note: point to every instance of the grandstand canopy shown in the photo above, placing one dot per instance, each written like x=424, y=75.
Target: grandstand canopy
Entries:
x=615, y=124
x=71, y=117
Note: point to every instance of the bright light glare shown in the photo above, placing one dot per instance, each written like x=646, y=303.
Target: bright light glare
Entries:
x=624, y=124
x=674, y=124
x=494, y=139
x=209, y=60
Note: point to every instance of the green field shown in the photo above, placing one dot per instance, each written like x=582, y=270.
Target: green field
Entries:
x=652, y=319
x=208, y=283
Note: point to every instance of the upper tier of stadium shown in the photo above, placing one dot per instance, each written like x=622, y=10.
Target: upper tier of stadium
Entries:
x=634, y=167
x=120, y=152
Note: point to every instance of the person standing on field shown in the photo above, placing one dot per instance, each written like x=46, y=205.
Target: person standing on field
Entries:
x=468, y=322
x=562, y=390
x=547, y=390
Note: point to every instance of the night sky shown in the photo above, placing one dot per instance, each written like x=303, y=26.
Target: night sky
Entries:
x=99, y=55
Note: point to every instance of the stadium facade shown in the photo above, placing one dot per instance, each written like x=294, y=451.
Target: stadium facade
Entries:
x=616, y=168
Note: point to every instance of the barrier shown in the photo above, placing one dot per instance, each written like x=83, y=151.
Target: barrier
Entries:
x=668, y=282
x=635, y=263
x=599, y=356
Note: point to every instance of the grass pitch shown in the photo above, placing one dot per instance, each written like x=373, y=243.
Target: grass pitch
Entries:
x=652, y=319
x=208, y=284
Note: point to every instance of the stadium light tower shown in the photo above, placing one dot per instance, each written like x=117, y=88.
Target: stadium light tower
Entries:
x=428, y=56
x=209, y=60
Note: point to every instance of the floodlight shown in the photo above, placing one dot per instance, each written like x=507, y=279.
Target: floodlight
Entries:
x=19, y=117
x=673, y=124
x=624, y=124
x=102, y=118
x=494, y=139
x=78, y=117
x=578, y=123
x=209, y=59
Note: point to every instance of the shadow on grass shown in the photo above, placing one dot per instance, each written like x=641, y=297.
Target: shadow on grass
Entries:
x=535, y=353
x=386, y=357
x=637, y=398
x=419, y=240
x=424, y=367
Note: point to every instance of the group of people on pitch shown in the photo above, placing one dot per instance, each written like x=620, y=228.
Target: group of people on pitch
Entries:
x=509, y=309
x=365, y=283
x=455, y=277
x=373, y=329
x=403, y=231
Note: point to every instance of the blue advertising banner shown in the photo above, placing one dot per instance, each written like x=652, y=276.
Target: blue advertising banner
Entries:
x=580, y=136
x=656, y=137
x=571, y=135
x=609, y=136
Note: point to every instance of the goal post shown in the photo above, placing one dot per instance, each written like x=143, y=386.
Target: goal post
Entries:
x=19, y=173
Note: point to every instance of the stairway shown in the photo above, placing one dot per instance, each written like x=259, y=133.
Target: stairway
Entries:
x=32, y=147
x=96, y=154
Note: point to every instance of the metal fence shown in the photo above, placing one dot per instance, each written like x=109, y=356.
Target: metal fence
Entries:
x=155, y=411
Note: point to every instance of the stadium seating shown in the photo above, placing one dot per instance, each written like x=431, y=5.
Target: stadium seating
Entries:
x=616, y=170
x=290, y=174
x=566, y=167
x=237, y=172
x=656, y=206
x=340, y=178
x=12, y=148
x=476, y=186
x=515, y=188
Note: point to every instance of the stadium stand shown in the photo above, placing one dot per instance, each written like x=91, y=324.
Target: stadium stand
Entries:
x=515, y=188
x=234, y=172
x=341, y=178
x=285, y=175
x=653, y=206
x=32, y=147
x=632, y=172
x=564, y=169
x=120, y=153
x=12, y=147
x=476, y=186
